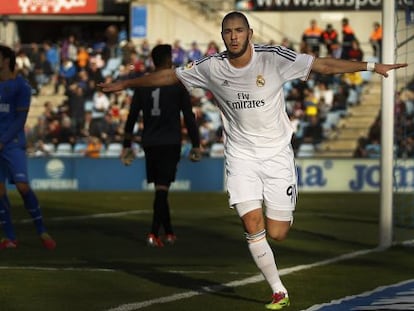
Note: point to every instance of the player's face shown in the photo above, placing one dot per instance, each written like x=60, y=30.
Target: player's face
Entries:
x=236, y=37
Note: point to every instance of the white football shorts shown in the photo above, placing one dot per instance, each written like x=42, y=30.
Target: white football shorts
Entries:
x=272, y=182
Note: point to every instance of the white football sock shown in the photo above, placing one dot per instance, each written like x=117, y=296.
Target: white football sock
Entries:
x=264, y=258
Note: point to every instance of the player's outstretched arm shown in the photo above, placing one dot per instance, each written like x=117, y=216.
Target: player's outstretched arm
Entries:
x=334, y=66
x=158, y=78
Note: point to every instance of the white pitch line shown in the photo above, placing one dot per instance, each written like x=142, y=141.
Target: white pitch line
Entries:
x=57, y=269
x=91, y=216
x=254, y=279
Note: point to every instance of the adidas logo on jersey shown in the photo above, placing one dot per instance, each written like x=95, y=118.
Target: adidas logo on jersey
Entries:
x=225, y=83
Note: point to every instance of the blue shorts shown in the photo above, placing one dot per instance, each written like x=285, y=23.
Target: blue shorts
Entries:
x=13, y=165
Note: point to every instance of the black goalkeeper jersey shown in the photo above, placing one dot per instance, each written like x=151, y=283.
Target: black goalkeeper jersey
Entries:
x=161, y=108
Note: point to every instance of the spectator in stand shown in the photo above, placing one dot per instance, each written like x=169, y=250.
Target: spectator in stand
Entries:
x=194, y=53
x=311, y=105
x=110, y=130
x=84, y=130
x=340, y=98
x=212, y=48
x=52, y=55
x=88, y=85
x=34, y=53
x=9, y=33
x=101, y=106
x=93, y=147
x=136, y=65
x=69, y=49
x=376, y=41
x=324, y=97
x=313, y=132
x=348, y=36
x=38, y=131
x=53, y=132
x=111, y=49
x=98, y=60
x=94, y=72
x=43, y=71
x=76, y=101
x=360, y=151
x=82, y=58
x=23, y=64
x=145, y=51
x=354, y=82
x=49, y=112
x=67, y=74
x=123, y=36
x=355, y=52
x=373, y=149
x=329, y=38
x=312, y=37
x=179, y=56
x=66, y=133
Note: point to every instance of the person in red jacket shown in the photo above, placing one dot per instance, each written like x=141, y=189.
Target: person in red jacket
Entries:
x=329, y=38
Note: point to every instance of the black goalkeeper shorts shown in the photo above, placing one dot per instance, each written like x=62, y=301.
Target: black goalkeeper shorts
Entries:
x=161, y=163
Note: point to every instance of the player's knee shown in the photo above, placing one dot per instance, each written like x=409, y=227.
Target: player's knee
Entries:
x=2, y=190
x=23, y=188
x=278, y=223
x=277, y=234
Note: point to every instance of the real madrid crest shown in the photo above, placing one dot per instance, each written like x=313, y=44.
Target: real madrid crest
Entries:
x=189, y=65
x=260, y=81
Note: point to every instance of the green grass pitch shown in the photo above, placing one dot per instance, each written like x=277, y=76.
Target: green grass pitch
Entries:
x=102, y=261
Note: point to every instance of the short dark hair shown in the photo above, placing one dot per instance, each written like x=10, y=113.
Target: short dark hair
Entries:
x=160, y=54
x=7, y=52
x=235, y=14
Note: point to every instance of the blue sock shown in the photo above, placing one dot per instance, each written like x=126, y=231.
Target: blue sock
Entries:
x=5, y=218
x=32, y=206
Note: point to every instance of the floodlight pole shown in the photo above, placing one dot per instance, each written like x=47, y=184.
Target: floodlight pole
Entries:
x=387, y=129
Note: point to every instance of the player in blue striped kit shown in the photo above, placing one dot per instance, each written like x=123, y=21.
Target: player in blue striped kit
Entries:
x=15, y=96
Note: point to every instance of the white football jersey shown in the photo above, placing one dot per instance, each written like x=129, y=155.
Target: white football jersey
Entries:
x=251, y=99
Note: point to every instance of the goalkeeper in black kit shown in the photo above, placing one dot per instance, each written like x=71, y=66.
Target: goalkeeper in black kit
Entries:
x=162, y=108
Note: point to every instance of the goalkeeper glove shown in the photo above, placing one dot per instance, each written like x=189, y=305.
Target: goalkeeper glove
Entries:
x=195, y=155
x=127, y=156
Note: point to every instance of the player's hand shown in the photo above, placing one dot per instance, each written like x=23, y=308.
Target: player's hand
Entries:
x=127, y=156
x=195, y=154
x=383, y=69
x=112, y=86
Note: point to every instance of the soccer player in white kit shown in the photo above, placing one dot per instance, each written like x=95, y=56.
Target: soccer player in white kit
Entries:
x=247, y=81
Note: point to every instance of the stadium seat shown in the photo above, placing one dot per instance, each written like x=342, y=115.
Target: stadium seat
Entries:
x=217, y=150
x=64, y=150
x=306, y=151
x=113, y=150
x=138, y=150
x=79, y=148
